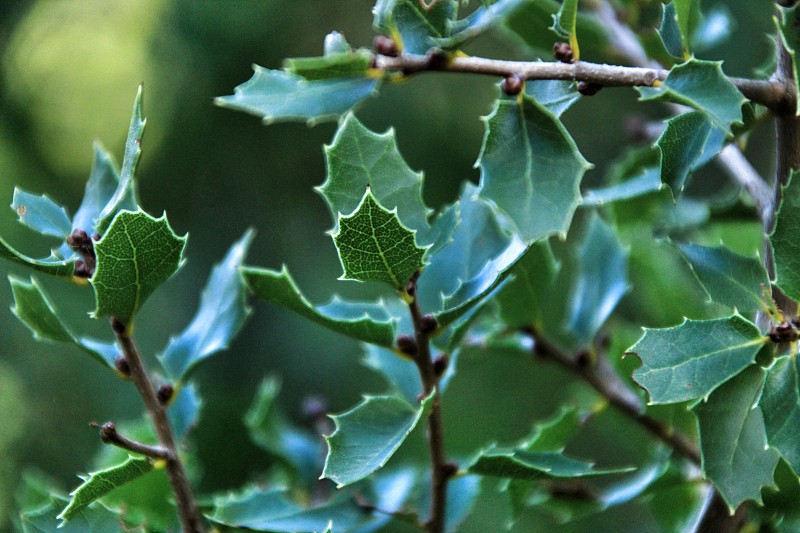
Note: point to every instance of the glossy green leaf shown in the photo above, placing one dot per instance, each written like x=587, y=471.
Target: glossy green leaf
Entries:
x=41, y=214
x=270, y=430
x=682, y=144
x=135, y=255
x=358, y=158
x=52, y=265
x=278, y=96
x=787, y=30
x=728, y=278
x=556, y=96
x=486, y=18
x=670, y=32
x=99, y=190
x=368, y=435
x=691, y=360
x=222, y=313
x=92, y=519
x=736, y=457
x=780, y=404
x=184, y=411
x=363, y=321
x=703, y=86
x=98, y=484
x=34, y=309
x=554, y=433
x=526, y=465
x=125, y=193
x=374, y=245
x=525, y=300
x=785, y=245
x=401, y=374
x=564, y=24
x=530, y=168
x=418, y=29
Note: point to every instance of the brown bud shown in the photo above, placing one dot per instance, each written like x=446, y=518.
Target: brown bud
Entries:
x=117, y=326
x=440, y=363
x=437, y=59
x=165, y=392
x=563, y=52
x=783, y=332
x=108, y=431
x=428, y=324
x=583, y=358
x=588, y=88
x=122, y=366
x=449, y=469
x=512, y=85
x=314, y=407
x=407, y=344
x=385, y=46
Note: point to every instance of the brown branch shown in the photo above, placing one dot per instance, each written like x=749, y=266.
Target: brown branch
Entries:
x=109, y=435
x=182, y=490
x=441, y=470
x=766, y=92
x=604, y=379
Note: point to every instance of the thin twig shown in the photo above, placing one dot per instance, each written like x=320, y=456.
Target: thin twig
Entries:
x=182, y=490
x=607, y=383
x=109, y=435
x=736, y=165
x=441, y=470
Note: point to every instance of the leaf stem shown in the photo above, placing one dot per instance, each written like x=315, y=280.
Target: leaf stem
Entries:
x=182, y=490
x=770, y=93
x=441, y=470
x=109, y=435
x=607, y=383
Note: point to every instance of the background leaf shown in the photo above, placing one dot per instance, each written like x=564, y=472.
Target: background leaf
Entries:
x=368, y=435
x=222, y=313
x=736, y=457
x=683, y=146
x=785, y=245
x=780, y=404
x=136, y=255
x=93, y=519
x=691, y=360
x=525, y=465
x=54, y=266
x=41, y=214
x=787, y=24
x=417, y=28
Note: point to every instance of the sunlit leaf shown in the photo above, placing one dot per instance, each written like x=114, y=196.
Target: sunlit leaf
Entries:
x=733, y=444
x=135, y=255
x=374, y=245
x=691, y=360
x=98, y=484
x=368, y=435
x=222, y=313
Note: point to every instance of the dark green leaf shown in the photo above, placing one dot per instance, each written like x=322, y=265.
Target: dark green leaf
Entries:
x=728, y=278
x=278, y=96
x=522, y=464
x=525, y=299
x=358, y=158
x=530, y=168
x=368, y=435
x=93, y=519
x=483, y=19
x=682, y=144
x=125, y=195
x=780, y=404
x=670, y=32
x=736, y=457
x=554, y=433
x=417, y=29
x=691, y=360
x=787, y=30
x=368, y=322
x=564, y=24
x=41, y=214
x=35, y=310
x=648, y=181
x=555, y=95
x=781, y=504
x=222, y=312
x=374, y=245
x=136, y=255
x=54, y=266
x=98, y=484
x=785, y=244
x=703, y=86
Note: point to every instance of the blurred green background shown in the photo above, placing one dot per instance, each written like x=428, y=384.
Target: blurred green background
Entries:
x=70, y=70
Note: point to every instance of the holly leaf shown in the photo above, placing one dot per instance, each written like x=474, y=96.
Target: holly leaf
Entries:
x=727, y=277
x=564, y=24
x=364, y=321
x=555, y=95
x=684, y=146
x=530, y=168
x=92, y=519
x=359, y=158
x=374, y=245
x=135, y=255
x=524, y=301
x=678, y=24
x=785, y=245
x=278, y=96
x=34, y=309
x=98, y=484
x=222, y=313
x=526, y=465
x=41, y=214
x=53, y=265
x=368, y=435
x=416, y=28
x=343, y=63
x=787, y=30
x=691, y=360
x=733, y=444
x=703, y=86
x=184, y=410
x=780, y=404
x=483, y=19
x=125, y=194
